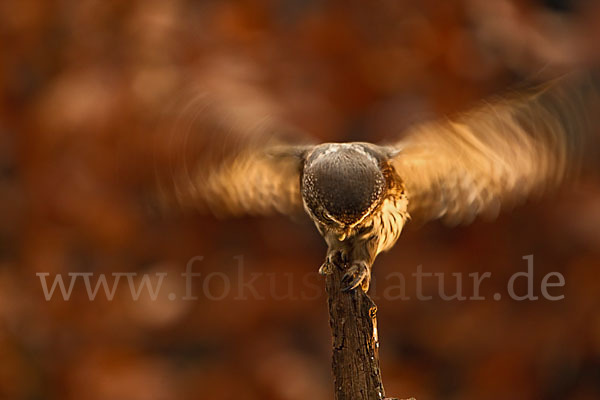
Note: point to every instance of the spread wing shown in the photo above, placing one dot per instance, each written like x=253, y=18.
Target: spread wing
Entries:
x=260, y=179
x=230, y=154
x=498, y=154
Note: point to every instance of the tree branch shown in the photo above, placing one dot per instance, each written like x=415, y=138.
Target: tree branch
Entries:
x=353, y=321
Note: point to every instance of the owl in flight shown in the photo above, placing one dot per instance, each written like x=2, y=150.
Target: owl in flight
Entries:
x=360, y=195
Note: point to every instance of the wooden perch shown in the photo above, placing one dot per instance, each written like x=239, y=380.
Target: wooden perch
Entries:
x=353, y=321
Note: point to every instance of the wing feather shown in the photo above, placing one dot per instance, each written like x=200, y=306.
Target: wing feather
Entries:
x=228, y=152
x=254, y=182
x=498, y=154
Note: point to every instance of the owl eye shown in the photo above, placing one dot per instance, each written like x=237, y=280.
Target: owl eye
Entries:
x=326, y=218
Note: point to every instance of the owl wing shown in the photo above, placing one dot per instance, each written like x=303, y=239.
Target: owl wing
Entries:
x=256, y=181
x=228, y=152
x=498, y=154
x=258, y=174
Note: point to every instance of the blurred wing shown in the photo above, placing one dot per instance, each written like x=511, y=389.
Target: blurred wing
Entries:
x=228, y=152
x=496, y=155
x=256, y=181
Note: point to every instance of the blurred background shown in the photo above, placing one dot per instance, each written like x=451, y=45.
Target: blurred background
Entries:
x=86, y=88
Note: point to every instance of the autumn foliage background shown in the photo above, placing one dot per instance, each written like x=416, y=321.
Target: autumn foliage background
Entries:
x=85, y=89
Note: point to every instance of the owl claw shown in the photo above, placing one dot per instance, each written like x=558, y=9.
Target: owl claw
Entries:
x=330, y=261
x=325, y=268
x=356, y=275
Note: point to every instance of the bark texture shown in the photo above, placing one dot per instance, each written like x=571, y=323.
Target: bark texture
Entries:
x=353, y=321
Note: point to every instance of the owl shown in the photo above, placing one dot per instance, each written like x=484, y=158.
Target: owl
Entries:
x=361, y=195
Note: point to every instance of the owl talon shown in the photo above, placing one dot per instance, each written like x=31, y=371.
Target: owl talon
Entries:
x=326, y=268
x=334, y=257
x=356, y=275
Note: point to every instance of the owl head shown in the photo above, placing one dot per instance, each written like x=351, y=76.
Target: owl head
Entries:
x=342, y=183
